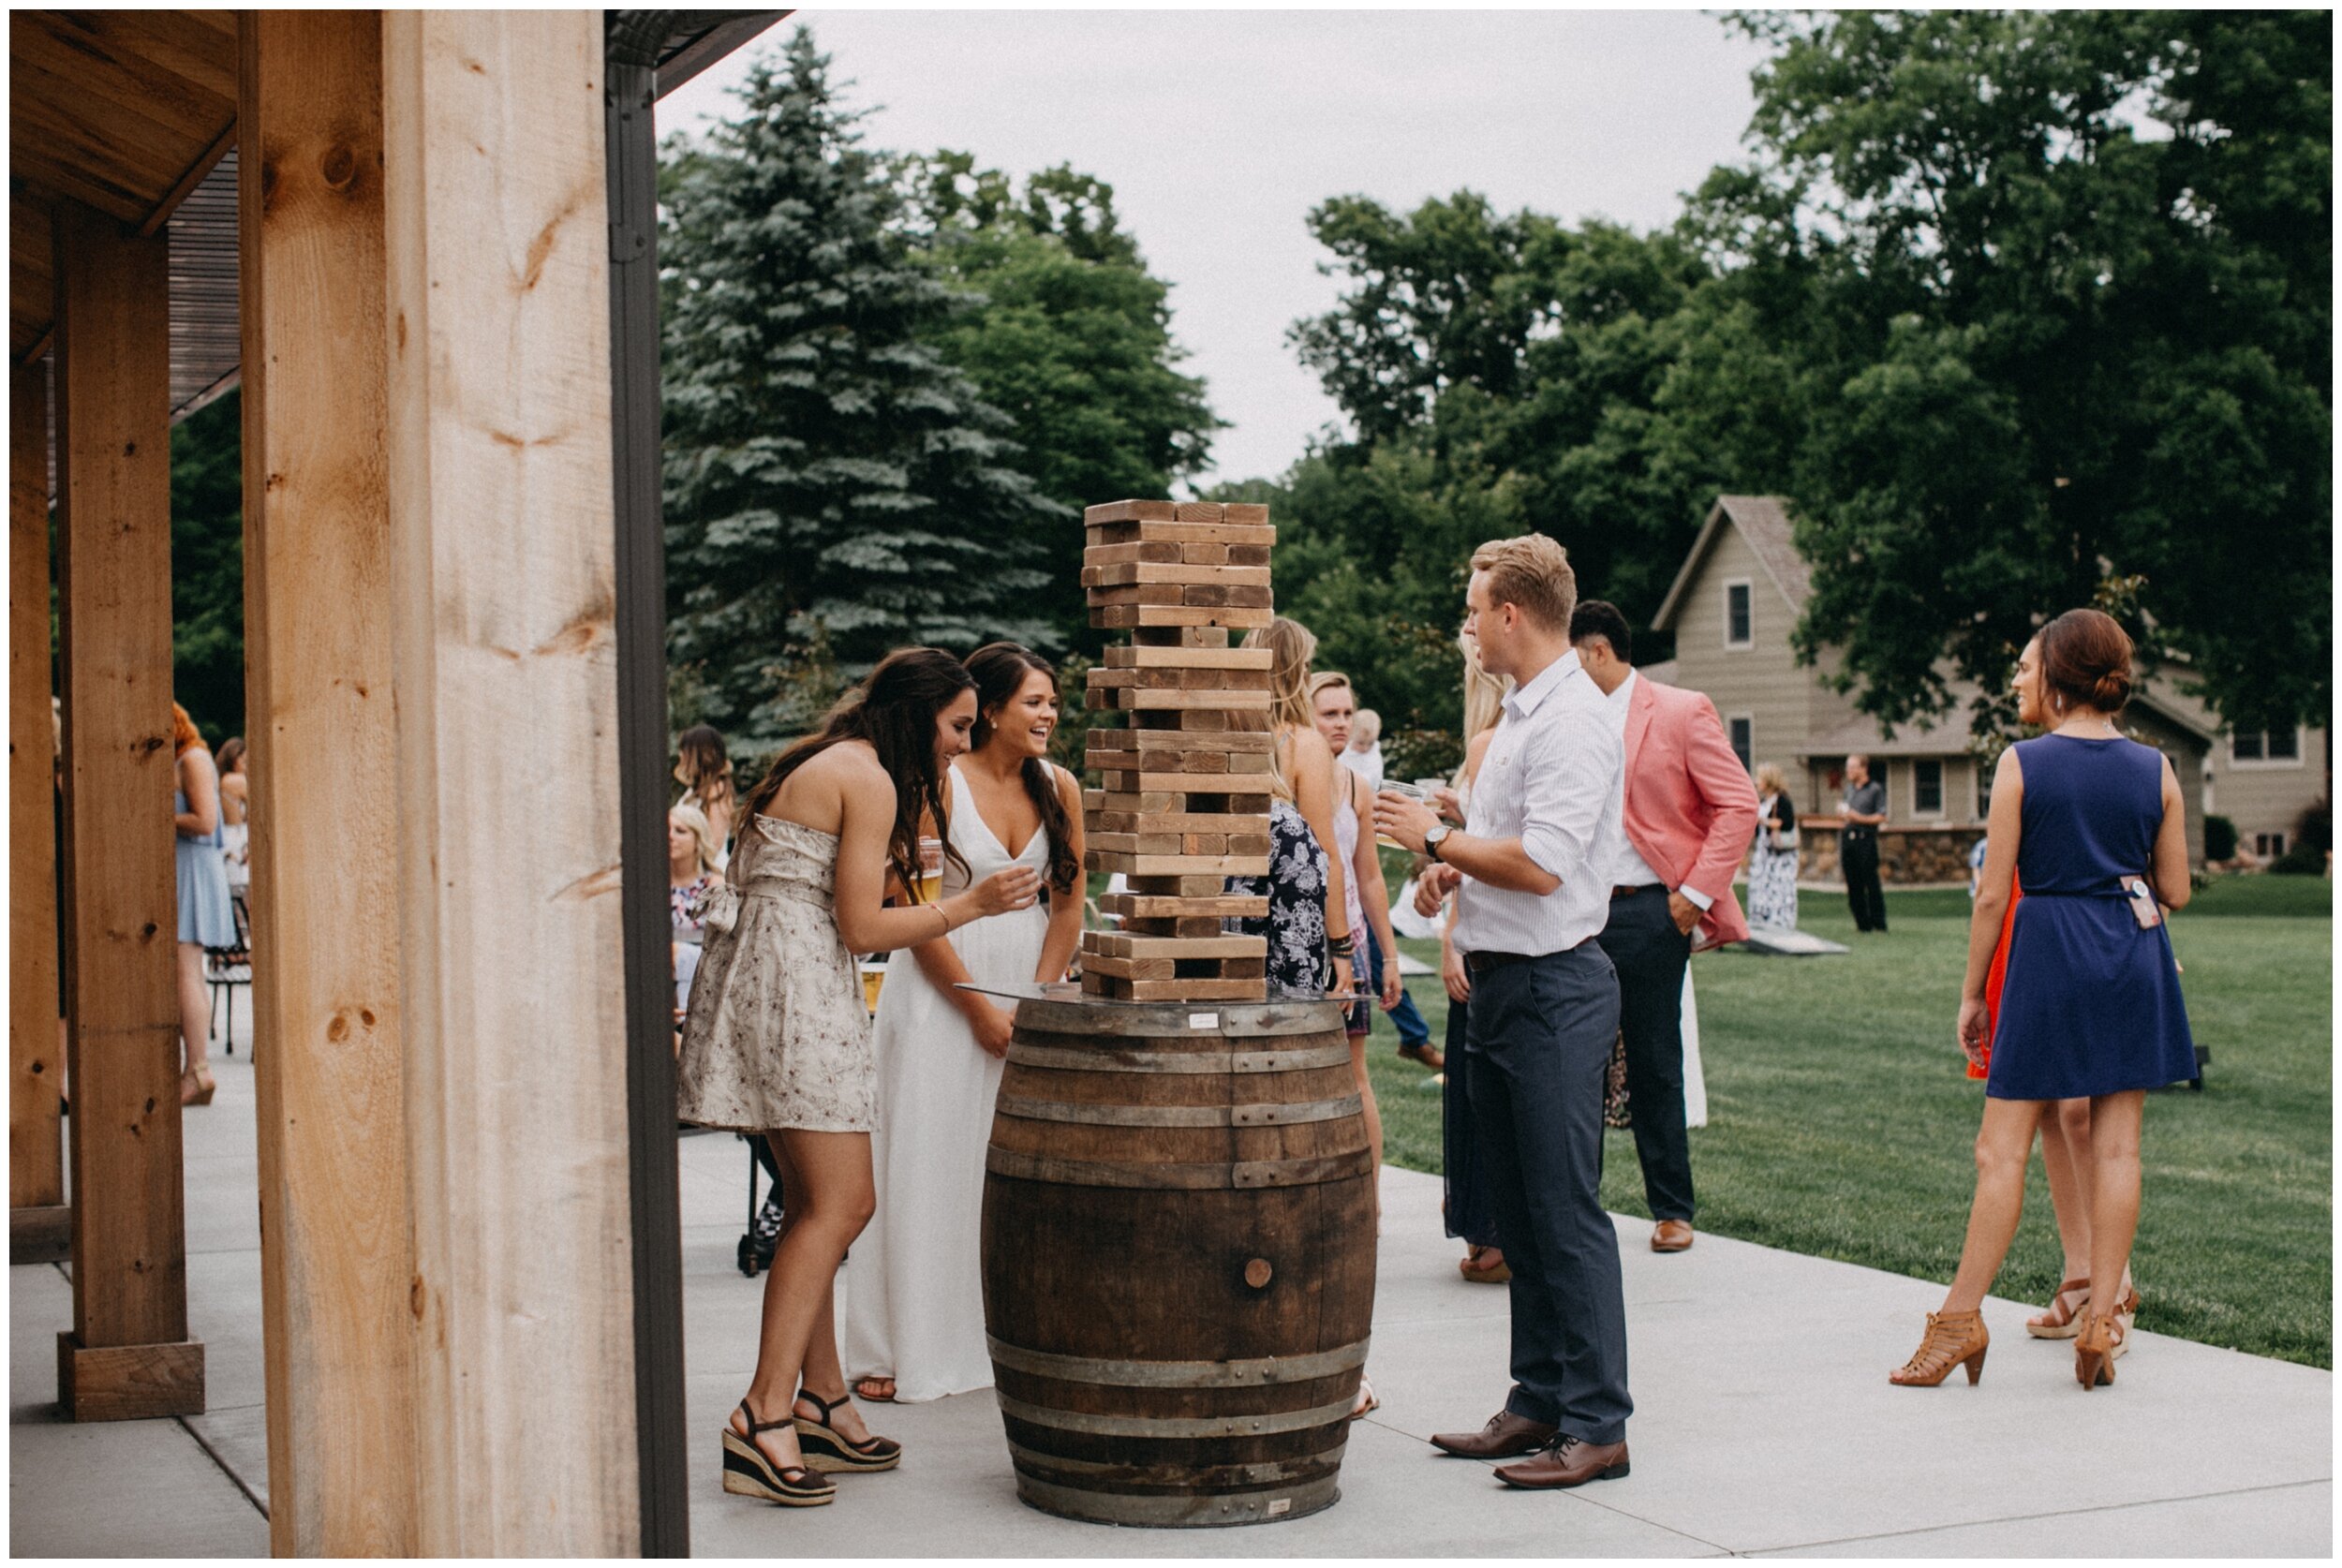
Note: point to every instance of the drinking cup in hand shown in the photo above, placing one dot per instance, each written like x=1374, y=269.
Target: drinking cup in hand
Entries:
x=930, y=870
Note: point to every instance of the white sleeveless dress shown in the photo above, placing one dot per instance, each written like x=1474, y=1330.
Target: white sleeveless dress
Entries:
x=913, y=1287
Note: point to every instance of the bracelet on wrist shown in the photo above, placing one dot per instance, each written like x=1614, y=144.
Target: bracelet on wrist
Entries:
x=1341, y=946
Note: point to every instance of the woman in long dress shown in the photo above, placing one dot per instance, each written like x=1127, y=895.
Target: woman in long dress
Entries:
x=2091, y=1007
x=776, y=1041
x=1773, y=863
x=914, y=1289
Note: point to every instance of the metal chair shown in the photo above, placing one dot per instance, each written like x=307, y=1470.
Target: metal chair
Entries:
x=226, y=967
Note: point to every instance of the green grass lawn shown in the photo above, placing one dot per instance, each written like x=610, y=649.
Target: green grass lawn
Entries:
x=1840, y=1123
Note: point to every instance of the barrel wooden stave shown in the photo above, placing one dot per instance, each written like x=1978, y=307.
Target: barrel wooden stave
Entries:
x=1251, y=1303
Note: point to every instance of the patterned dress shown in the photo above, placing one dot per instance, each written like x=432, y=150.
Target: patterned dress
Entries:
x=776, y=1035
x=1296, y=925
x=1773, y=873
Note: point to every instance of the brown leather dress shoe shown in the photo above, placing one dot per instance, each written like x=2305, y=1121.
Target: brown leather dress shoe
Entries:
x=1568, y=1462
x=1671, y=1235
x=1504, y=1436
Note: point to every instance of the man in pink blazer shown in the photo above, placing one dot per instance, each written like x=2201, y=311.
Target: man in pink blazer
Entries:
x=1690, y=816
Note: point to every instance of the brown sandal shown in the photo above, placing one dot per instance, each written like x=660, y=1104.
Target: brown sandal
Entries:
x=1473, y=1269
x=2061, y=1322
x=1953, y=1340
x=2096, y=1349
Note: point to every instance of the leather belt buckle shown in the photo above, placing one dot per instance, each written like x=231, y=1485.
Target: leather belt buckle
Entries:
x=1481, y=963
x=1623, y=889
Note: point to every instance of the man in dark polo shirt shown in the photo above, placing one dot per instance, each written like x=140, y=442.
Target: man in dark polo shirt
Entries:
x=1864, y=809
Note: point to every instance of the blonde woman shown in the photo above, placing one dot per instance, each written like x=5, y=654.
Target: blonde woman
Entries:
x=1308, y=919
x=692, y=869
x=1466, y=1209
x=1772, y=868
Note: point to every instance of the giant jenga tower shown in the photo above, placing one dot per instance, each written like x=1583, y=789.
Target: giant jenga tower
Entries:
x=1185, y=803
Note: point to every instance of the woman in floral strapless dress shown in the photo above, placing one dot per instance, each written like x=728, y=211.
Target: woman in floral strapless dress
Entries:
x=776, y=1041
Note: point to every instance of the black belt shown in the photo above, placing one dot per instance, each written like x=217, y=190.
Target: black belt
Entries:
x=1481, y=963
x=1624, y=891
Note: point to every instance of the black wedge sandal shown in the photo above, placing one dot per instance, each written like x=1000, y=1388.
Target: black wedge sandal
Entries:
x=750, y=1474
x=826, y=1448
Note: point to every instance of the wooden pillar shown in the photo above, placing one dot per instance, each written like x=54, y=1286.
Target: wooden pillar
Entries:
x=40, y=1226
x=128, y=1354
x=335, y=1268
x=512, y=973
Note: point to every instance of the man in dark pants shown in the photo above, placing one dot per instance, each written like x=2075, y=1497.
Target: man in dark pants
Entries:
x=1528, y=872
x=1689, y=816
x=1866, y=807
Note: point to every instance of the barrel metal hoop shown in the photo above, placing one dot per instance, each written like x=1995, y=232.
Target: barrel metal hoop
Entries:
x=1233, y=1509
x=1262, y=1425
x=1111, y=1059
x=1241, y=1476
x=1201, y=1020
x=1262, y=1114
x=1259, y=1371
x=1243, y=1175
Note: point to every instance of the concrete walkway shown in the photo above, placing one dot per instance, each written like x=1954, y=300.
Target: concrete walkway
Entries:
x=1765, y=1421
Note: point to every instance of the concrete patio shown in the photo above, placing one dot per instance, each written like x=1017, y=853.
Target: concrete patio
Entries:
x=1765, y=1422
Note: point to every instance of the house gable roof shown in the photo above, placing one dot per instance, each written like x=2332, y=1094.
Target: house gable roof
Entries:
x=1763, y=521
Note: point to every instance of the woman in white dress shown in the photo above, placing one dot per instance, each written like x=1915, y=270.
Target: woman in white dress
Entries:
x=914, y=1289
x=777, y=1044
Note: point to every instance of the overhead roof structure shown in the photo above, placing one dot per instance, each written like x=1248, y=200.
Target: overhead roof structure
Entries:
x=134, y=113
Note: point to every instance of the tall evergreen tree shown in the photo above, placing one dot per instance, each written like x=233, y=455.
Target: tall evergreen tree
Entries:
x=834, y=487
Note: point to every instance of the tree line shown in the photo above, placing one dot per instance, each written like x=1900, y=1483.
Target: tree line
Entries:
x=2020, y=311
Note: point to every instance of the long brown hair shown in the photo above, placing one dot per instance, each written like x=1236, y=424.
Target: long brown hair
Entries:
x=895, y=711
x=700, y=750
x=1001, y=670
x=1294, y=645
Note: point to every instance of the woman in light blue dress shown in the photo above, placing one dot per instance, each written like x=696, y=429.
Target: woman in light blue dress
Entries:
x=206, y=918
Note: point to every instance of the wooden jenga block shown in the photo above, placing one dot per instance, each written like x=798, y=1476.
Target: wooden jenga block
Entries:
x=1257, y=535
x=1134, y=511
x=1180, y=637
x=1201, y=512
x=1244, y=512
x=1164, y=550
x=1126, y=573
x=1117, y=944
x=1123, y=618
x=1143, y=658
x=1173, y=866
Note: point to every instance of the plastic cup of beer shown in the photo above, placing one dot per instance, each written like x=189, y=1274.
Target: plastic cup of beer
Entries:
x=1431, y=788
x=1395, y=787
x=930, y=870
x=873, y=976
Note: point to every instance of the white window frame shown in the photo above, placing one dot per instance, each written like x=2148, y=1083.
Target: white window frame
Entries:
x=2269, y=846
x=1943, y=793
x=2299, y=759
x=1730, y=584
x=1749, y=719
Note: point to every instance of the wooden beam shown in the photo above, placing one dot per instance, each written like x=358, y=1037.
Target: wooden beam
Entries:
x=188, y=181
x=128, y=1354
x=513, y=1010
x=40, y=1229
x=335, y=1271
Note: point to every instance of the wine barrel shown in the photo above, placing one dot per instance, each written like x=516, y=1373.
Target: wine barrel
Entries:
x=1179, y=1258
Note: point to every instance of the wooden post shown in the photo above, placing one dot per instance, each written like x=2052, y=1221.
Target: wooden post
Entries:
x=511, y=959
x=335, y=1268
x=128, y=1354
x=40, y=1226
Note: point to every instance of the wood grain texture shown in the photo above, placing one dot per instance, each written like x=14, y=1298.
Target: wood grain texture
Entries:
x=113, y=467
x=1204, y=1378
x=35, y=1135
x=335, y=1268
x=512, y=955
x=129, y=1382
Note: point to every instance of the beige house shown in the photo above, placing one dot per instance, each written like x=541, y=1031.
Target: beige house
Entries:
x=1731, y=608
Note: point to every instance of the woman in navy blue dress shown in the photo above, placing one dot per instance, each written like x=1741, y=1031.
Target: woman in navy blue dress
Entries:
x=2092, y=822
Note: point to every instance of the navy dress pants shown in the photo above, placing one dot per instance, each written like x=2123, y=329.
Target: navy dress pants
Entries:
x=1539, y=1040
x=1650, y=956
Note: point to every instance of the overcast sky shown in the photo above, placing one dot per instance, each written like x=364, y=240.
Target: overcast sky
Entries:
x=1219, y=131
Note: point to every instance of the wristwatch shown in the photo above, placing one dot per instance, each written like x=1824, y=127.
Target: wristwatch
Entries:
x=1434, y=838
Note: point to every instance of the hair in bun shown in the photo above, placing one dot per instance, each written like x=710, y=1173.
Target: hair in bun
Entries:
x=2085, y=660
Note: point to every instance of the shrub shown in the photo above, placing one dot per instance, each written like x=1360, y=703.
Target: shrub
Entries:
x=2301, y=860
x=2219, y=839
x=2314, y=829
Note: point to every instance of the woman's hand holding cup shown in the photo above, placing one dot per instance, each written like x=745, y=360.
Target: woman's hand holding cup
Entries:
x=1005, y=892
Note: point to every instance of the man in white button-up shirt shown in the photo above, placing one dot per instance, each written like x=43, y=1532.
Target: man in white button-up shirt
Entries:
x=1531, y=874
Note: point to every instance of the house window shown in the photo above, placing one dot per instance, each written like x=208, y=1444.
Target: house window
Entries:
x=2272, y=748
x=1745, y=740
x=2268, y=845
x=1739, y=615
x=1927, y=788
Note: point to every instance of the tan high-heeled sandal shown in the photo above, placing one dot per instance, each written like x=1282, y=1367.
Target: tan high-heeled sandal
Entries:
x=2062, y=1322
x=1953, y=1340
x=2097, y=1347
